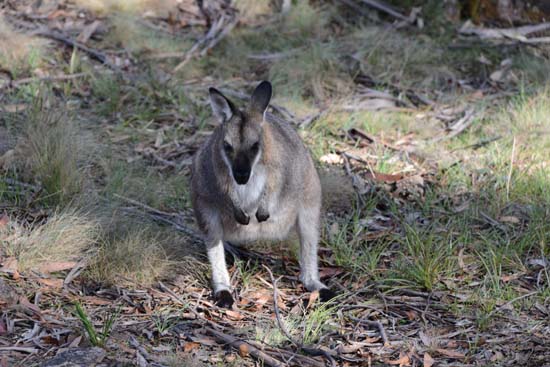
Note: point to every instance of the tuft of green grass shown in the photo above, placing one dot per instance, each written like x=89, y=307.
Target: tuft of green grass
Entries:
x=108, y=91
x=96, y=339
x=426, y=257
x=347, y=239
x=169, y=192
x=246, y=271
x=317, y=322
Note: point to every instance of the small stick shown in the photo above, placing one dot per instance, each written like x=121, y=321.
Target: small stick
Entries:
x=380, y=6
x=242, y=346
x=75, y=271
x=511, y=169
x=376, y=324
x=93, y=53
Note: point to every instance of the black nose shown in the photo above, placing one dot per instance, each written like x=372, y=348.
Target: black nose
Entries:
x=241, y=177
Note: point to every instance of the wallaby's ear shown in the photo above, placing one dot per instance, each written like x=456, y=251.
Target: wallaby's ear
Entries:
x=221, y=106
x=261, y=97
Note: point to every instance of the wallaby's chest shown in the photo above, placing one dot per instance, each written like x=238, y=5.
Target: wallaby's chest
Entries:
x=250, y=194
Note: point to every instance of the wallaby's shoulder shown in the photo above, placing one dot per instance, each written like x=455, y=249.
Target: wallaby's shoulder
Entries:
x=284, y=133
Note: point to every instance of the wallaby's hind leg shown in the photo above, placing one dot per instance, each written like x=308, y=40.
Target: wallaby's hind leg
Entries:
x=308, y=230
x=220, y=276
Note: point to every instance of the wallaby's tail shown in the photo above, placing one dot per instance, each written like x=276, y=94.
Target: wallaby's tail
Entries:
x=338, y=192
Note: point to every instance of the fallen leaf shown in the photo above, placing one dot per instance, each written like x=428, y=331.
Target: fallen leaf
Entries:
x=461, y=260
x=313, y=296
x=508, y=278
x=426, y=339
x=189, y=346
x=234, y=315
x=509, y=219
x=451, y=353
x=428, y=360
x=331, y=158
x=88, y=31
x=329, y=272
x=56, y=266
x=51, y=282
x=404, y=360
x=383, y=177
x=93, y=300
x=14, y=108
x=4, y=220
x=498, y=356
x=244, y=350
x=26, y=304
x=10, y=266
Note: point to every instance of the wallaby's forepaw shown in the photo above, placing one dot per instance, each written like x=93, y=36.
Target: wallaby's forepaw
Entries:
x=224, y=299
x=241, y=217
x=326, y=294
x=262, y=215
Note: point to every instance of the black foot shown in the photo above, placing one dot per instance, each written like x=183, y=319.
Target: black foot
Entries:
x=326, y=295
x=262, y=215
x=241, y=217
x=224, y=299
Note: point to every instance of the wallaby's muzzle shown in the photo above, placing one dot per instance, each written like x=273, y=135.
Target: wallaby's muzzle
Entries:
x=242, y=168
x=241, y=177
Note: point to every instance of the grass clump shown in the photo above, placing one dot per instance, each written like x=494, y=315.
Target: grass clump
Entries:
x=19, y=53
x=65, y=236
x=96, y=339
x=134, y=256
x=135, y=37
x=426, y=257
x=52, y=152
x=103, y=7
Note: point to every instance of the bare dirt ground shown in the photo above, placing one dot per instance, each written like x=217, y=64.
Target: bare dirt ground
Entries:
x=431, y=136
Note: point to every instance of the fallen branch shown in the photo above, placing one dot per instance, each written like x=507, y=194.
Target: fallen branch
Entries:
x=245, y=348
x=94, y=54
x=163, y=217
x=218, y=30
x=518, y=34
x=385, y=8
x=459, y=126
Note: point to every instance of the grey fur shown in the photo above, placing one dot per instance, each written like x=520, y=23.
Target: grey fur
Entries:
x=283, y=191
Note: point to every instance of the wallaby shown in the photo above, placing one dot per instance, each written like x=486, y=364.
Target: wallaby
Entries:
x=253, y=179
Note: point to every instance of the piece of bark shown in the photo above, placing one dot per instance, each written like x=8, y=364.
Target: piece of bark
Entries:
x=77, y=357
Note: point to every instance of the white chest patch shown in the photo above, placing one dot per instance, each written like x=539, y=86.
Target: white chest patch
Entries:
x=249, y=194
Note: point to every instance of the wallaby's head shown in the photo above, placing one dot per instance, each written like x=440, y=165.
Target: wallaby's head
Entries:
x=242, y=143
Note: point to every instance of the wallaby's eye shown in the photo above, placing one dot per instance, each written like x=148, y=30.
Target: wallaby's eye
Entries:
x=227, y=147
x=255, y=147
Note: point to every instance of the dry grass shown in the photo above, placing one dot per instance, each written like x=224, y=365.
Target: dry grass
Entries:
x=134, y=256
x=19, y=53
x=66, y=236
x=102, y=7
x=250, y=10
x=52, y=151
x=135, y=37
